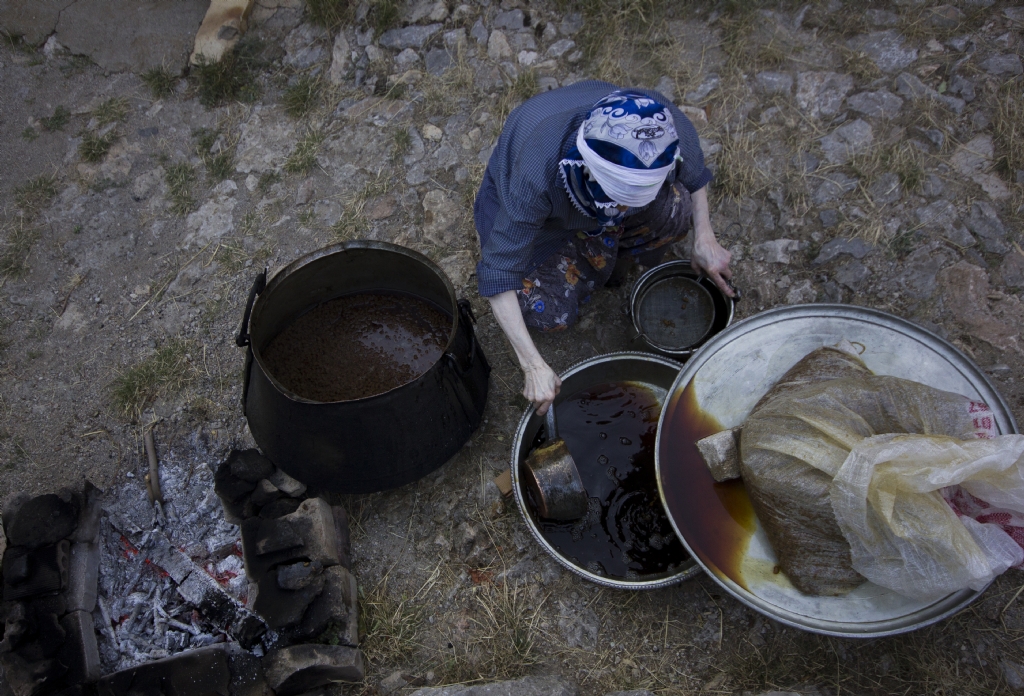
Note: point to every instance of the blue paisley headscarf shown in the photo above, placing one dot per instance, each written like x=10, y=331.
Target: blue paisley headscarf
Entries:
x=629, y=142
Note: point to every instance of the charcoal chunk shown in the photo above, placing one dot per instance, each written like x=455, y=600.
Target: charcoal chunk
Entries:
x=249, y=465
x=43, y=520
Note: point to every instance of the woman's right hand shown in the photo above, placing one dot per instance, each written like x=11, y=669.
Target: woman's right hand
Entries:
x=541, y=385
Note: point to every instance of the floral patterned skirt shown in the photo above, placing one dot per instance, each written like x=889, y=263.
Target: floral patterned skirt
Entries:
x=554, y=293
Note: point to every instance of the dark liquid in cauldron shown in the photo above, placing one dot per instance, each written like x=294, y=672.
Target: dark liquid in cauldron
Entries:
x=358, y=345
x=610, y=430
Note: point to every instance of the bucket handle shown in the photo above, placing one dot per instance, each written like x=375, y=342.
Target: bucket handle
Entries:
x=258, y=285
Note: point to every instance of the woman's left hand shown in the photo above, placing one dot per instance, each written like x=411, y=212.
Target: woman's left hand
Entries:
x=706, y=254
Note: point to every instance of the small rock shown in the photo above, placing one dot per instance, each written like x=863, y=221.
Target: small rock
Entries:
x=432, y=133
x=885, y=49
x=392, y=683
x=561, y=47
x=1004, y=64
x=579, y=628
x=302, y=46
x=409, y=37
x=880, y=104
x=527, y=58
x=479, y=32
x=774, y=82
x=984, y=222
x=459, y=267
x=497, y=46
x=1012, y=270
x=911, y=87
x=801, y=293
x=441, y=215
x=855, y=247
x=881, y=18
x=305, y=193
x=1013, y=673
x=822, y=93
x=941, y=216
x=959, y=84
x=933, y=187
x=286, y=484
x=852, y=274
x=667, y=87
x=265, y=493
x=144, y=185
x=973, y=159
x=846, y=141
x=547, y=83
x=886, y=190
x=777, y=250
x=829, y=218
x=339, y=59
x=437, y=60
x=513, y=20
x=407, y=58
x=833, y=186
x=943, y=17
x=966, y=290
x=709, y=85
x=571, y=23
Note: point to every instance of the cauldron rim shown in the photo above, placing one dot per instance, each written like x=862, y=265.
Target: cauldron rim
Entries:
x=281, y=276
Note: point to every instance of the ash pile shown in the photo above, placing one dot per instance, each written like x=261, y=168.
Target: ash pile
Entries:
x=238, y=583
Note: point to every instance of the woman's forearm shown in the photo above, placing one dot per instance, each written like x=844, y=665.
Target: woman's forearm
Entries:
x=510, y=318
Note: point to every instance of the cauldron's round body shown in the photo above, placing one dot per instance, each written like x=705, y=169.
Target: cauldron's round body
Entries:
x=378, y=442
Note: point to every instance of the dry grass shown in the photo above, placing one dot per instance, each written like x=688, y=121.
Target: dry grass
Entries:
x=304, y=96
x=19, y=237
x=390, y=621
x=518, y=90
x=94, y=147
x=352, y=221
x=219, y=165
x=303, y=157
x=330, y=14
x=168, y=371
x=738, y=173
x=442, y=93
x=180, y=178
x=36, y=194
x=160, y=81
x=1008, y=127
x=113, y=110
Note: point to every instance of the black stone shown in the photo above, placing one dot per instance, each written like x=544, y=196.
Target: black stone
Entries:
x=276, y=535
x=47, y=637
x=43, y=520
x=282, y=609
x=280, y=508
x=47, y=571
x=334, y=611
x=249, y=465
x=24, y=677
x=344, y=538
x=201, y=672
x=228, y=486
x=297, y=575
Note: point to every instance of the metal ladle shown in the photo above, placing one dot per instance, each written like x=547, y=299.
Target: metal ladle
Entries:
x=553, y=479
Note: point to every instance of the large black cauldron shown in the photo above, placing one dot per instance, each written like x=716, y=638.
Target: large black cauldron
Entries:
x=377, y=442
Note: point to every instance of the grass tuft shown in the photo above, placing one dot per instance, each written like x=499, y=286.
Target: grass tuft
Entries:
x=94, y=147
x=36, y=194
x=442, y=93
x=383, y=15
x=303, y=157
x=15, y=249
x=179, y=178
x=160, y=81
x=738, y=173
x=303, y=96
x=1008, y=127
x=401, y=143
x=330, y=14
x=57, y=121
x=167, y=371
x=232, y=78
x=390, y=622
x=518, y=91
x=219, y=165
x=113, y=110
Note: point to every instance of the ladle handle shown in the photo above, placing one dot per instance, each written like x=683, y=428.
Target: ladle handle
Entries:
x=552, y=427
x=242, y=339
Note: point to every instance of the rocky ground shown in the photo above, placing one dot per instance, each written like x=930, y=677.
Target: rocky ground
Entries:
x=866, y=153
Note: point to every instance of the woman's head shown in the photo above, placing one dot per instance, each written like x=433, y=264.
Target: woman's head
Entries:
x=629, y=144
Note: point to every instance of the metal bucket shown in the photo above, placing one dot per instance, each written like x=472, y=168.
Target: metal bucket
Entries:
x=377, y=442
x=717, y=390
x=675, y=310
x=645, y=368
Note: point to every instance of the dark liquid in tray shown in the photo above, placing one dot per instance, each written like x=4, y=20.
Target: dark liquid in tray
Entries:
x=716, y=519
x=358, y=345
x=610, y=430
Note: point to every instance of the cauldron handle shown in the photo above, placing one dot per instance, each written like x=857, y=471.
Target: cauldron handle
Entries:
x=242, y=339
x=465, y=315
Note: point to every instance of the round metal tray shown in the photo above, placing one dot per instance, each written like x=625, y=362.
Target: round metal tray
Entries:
x=647, y=369
x=723, y=382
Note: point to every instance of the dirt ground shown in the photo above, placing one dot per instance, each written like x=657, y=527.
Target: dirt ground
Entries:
x=133, y=225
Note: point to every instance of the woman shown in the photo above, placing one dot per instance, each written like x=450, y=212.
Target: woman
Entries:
x=582, y=179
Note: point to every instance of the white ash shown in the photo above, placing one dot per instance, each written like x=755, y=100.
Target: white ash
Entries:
x=146, y=618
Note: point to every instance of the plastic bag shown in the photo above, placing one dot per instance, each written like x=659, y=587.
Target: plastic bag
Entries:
x=927, y=515
x=800, y=434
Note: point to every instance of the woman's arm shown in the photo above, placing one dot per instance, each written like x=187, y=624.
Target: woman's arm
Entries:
x=540, y=383
x=707, y=255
